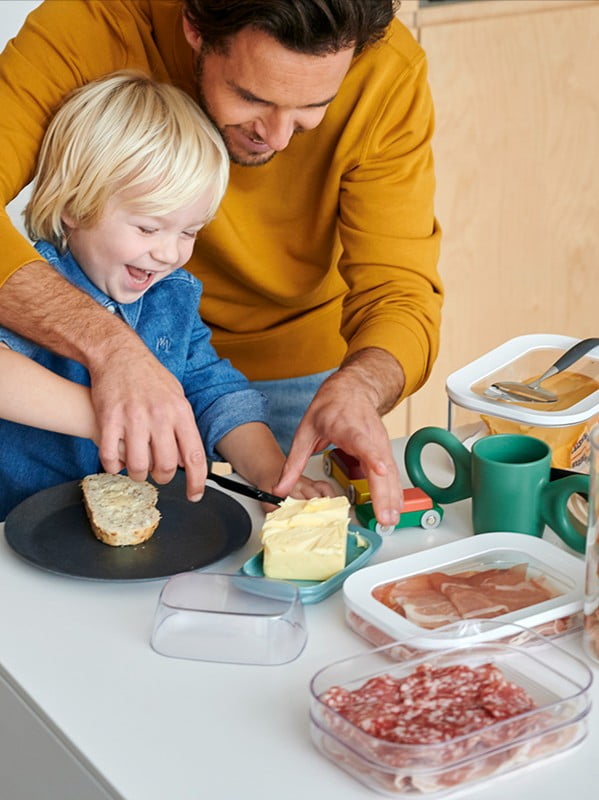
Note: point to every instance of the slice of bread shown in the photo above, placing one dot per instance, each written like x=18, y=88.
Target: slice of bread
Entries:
x=121, y=511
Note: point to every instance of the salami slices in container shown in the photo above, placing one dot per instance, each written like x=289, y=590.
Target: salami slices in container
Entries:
x=507, y=577
x=416, y=718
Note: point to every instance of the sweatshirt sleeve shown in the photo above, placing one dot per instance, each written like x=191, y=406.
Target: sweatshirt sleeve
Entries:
x=388, y=231
x=61, y=46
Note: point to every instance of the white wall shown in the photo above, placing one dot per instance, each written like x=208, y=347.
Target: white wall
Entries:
x=12, y=15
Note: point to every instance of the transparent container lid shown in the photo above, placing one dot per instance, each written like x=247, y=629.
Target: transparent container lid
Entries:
x=237, y=619
x=366, y=594
x=523, y=359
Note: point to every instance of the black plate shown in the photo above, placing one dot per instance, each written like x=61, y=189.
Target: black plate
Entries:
x=51, y=531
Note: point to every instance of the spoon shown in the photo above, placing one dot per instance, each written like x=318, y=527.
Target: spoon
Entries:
x=532, y=392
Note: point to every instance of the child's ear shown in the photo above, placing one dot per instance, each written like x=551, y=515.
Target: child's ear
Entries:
x=68, y=220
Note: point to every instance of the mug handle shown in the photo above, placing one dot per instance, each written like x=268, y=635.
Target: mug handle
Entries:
x=554, y=499
x=461, y=486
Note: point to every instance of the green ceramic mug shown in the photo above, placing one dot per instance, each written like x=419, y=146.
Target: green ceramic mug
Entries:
x=507, y=476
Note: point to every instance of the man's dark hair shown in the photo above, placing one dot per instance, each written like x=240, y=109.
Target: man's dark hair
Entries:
x=314, y=27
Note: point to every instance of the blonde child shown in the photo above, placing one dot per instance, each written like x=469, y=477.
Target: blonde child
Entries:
x=129, y=172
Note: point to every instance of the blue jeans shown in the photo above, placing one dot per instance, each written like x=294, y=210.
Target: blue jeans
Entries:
x=288, y=400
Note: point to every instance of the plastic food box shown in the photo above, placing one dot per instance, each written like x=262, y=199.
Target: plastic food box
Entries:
x=362, y=544
x=556, y=682
x=237, y=619
x=564, y=425
x=557, y=569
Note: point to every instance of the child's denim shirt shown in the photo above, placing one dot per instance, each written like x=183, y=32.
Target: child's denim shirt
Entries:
x=166, y=318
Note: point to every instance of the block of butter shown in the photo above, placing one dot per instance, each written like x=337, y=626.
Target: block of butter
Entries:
x=306, y=539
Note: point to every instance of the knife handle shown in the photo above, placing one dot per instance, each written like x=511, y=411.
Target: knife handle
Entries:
x=247, y=491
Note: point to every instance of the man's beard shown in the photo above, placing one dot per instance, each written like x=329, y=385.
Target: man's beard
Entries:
x=250, y=160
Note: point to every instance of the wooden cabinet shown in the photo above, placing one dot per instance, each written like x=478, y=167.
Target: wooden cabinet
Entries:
x=516, y=89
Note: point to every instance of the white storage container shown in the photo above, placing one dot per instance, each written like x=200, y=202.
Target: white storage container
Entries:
x=564, y=425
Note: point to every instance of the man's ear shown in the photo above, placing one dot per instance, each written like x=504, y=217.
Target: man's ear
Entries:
x=194, y=38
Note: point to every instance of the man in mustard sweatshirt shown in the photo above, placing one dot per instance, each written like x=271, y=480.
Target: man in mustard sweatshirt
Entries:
x=319, y=269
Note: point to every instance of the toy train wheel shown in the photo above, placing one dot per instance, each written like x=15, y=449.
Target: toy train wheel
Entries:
x=351, y=494
x=430, y=519
x=327, y=466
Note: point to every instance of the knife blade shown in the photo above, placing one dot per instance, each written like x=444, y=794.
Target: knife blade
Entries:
x=247, y=491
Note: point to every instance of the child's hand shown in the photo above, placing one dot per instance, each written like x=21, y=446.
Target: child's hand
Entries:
x=240, y=446
x=306, y=488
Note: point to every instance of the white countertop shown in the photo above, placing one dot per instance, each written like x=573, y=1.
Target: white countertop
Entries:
x=153, y=728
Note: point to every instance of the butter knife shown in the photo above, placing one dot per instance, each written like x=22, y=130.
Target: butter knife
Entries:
x=247, y=491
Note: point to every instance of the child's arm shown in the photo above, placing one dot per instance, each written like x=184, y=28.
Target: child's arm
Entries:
x=33, y=395
x=253, y=452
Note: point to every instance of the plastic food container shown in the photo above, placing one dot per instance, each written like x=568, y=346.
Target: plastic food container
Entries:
x=237, y=619
x=564, y=425
x=556, y=683
x=362, y=544
x=558, y=573
x=591, y=598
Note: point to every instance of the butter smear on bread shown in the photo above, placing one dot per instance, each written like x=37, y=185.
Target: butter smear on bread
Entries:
x=306, y=539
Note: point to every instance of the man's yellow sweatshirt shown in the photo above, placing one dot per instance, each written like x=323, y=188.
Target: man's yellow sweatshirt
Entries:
x=329, y=248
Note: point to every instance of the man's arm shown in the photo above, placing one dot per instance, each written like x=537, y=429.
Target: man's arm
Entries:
x=346, y=411
x=135, y=398
x=390, y=239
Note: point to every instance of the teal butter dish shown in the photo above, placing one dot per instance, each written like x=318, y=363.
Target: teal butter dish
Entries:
x=362, y=544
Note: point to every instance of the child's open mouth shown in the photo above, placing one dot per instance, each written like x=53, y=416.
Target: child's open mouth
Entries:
x=140, y=278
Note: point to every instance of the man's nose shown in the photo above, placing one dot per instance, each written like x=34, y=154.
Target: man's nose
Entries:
x=276, y=128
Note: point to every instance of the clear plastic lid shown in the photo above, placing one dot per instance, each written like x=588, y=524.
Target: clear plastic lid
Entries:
x=545, y=565
x=524, y=359
x=236, y=619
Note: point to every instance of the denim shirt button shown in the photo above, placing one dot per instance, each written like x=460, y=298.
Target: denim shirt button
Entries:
x=111, y=307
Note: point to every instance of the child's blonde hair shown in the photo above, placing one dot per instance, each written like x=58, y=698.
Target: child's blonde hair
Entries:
x=124, y=132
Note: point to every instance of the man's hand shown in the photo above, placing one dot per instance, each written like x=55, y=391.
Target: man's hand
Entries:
x=139, y=402
x=136, y=400
x=346, y=411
